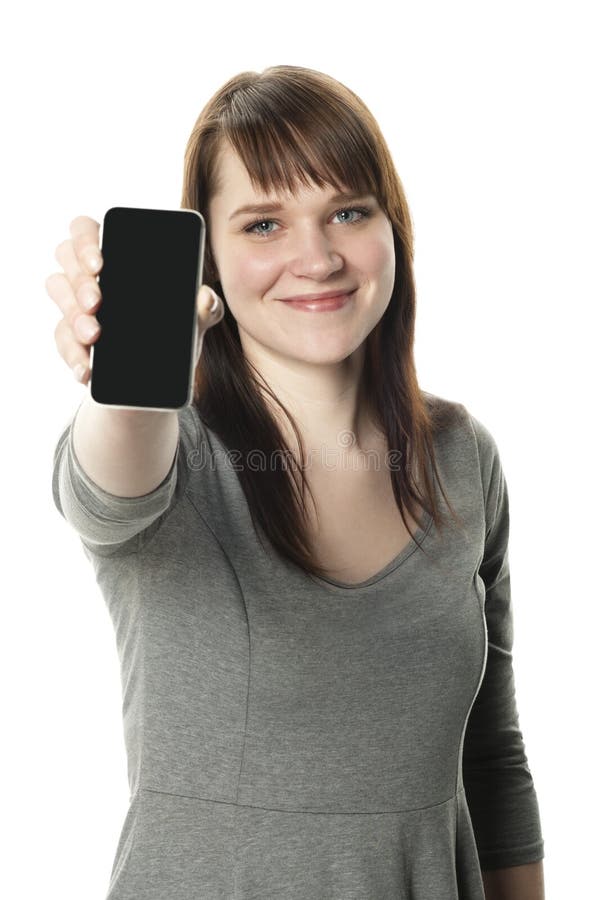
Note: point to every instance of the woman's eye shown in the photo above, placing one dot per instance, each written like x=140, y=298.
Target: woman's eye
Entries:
x=250, y=228
x=343, y=211
x=363, y=214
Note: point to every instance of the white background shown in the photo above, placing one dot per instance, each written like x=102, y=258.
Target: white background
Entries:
x=490, y=112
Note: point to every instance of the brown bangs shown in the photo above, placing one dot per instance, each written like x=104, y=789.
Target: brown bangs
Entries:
x=300, y=137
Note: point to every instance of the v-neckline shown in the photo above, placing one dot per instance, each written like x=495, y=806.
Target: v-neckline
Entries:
x=411, y=546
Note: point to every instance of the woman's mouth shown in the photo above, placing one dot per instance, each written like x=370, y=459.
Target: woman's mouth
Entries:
x=326, y=304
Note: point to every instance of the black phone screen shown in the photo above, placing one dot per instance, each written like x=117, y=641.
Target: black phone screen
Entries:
x=151, y=273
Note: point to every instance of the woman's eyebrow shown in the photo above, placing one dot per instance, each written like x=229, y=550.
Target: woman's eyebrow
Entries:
x=277, y=207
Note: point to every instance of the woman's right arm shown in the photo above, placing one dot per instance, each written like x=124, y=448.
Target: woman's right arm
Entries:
x=127, y=453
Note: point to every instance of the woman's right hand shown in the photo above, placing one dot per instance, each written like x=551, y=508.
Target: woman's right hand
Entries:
x=76, y=292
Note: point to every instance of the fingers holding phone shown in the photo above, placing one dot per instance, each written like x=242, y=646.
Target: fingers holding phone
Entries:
x=128, y=301
x=76, y=292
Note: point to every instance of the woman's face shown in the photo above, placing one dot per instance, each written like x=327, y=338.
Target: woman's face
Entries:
x=306, y=247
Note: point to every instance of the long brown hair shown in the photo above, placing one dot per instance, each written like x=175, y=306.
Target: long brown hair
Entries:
x=290, y=124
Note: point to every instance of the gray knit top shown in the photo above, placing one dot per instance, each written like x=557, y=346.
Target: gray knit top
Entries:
x=298, y=738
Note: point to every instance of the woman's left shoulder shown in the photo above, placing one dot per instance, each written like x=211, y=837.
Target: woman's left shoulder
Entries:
x=459, y=428
x=445, y=413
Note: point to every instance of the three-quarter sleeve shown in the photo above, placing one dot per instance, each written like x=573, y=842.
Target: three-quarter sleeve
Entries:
x=498, y=783
x=106, y=523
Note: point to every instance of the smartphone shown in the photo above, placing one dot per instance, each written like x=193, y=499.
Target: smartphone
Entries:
x=152, y=267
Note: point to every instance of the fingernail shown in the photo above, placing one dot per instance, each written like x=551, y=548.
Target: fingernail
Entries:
x=89, y=330
x=89, y=299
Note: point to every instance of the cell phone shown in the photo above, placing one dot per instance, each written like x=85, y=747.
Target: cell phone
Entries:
x=152, y=267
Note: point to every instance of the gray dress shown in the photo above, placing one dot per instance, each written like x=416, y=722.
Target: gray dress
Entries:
x=297, y=738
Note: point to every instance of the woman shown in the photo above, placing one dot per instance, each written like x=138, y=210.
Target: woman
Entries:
x=312, y=606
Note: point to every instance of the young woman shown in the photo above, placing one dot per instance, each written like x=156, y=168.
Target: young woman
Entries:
x=307, y=568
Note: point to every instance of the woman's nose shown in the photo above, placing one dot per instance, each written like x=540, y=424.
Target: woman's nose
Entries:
x=313, y=253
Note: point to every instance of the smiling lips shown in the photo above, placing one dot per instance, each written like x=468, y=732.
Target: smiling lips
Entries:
x=321, y=303
x=324, y=296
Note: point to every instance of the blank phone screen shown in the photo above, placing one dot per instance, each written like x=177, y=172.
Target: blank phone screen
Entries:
x=151, y=273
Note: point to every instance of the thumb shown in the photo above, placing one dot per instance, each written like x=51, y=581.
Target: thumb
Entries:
x=210, y=307
x=210, y=310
